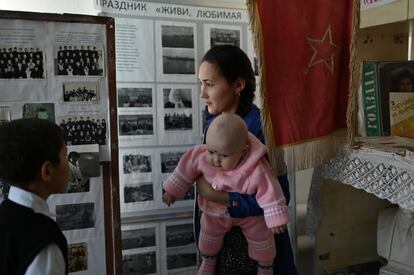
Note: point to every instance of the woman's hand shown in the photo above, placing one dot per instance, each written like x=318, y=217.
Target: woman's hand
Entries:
x=205, y=190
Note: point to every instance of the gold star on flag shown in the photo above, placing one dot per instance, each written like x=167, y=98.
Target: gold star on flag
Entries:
x=324, y=50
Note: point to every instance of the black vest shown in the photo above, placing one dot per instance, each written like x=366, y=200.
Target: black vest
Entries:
x=23, y=234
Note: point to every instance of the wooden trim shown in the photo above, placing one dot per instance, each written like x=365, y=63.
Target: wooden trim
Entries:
x=116, y=217
x=109, y=244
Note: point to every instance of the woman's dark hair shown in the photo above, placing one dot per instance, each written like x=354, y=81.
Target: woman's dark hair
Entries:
x=232, y=63
x=25, y=144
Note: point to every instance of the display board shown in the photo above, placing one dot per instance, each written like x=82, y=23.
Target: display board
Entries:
x=55, y=67
x=158, y=51
x=159, y=47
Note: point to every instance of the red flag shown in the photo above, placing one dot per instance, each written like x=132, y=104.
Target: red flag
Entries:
x=304, y=49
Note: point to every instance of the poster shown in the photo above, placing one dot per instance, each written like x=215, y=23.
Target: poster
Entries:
x=160, y=115
x=57, y=71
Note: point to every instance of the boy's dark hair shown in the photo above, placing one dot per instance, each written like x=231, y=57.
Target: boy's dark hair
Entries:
x=25, y=144
x=232, y=63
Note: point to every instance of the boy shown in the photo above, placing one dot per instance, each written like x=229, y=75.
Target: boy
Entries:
x=33, y=161
x=233, y=160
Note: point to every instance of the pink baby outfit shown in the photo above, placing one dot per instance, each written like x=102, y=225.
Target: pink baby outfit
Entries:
x=251, y=176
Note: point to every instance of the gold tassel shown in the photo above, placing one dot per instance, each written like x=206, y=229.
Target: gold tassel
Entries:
x=257, y=35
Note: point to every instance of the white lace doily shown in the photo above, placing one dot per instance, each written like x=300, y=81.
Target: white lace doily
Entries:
x=386, y=175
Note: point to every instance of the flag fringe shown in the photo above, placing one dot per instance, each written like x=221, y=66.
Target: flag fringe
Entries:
x=355, y=77
x=257, y=36
x=309, y=153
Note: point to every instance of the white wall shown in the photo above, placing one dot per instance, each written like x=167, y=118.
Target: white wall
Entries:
x=87, y=6
x=50, y=6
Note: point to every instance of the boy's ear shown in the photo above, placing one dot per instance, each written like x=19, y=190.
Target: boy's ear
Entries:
x=46, y=171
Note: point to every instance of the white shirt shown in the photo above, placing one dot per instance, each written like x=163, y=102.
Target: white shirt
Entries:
x=50, y=259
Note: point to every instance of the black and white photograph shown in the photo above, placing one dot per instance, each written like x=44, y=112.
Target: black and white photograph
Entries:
x=75, y=216
x=169, y=161
x=136, y=125
x=178, y=52
x=178, y=121
x=179, y=235
x=77, y=257
x=139, y=264
x=84, y=129
x=178, y=61
x=77, y=182
x=176, y=98
x=79, y=60
x=181, y=257
x=80, y=92
x=39, y=110
x=21, y=63
x=219, y=36
x=83, y=164
x=136, y=163
x=139, y=193
x=135, y=97
x=4, y=114
x=138, y=238
x=86, y=158
x=177, y=36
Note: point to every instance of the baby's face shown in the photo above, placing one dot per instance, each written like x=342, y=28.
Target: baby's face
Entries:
x=223, y=155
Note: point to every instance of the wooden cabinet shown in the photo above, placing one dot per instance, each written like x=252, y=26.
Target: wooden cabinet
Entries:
x=347, y=232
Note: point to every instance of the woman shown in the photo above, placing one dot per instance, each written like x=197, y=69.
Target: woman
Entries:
x=227, y=85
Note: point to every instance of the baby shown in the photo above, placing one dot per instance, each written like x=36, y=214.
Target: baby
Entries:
x=232, y=160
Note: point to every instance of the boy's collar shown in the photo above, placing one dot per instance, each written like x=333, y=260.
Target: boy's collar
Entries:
x=30, y=200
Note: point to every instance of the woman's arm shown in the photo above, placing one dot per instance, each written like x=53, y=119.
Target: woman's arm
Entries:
x=240, y=205
x=205, y=190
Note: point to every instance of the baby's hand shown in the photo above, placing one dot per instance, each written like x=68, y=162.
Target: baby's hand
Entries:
x=169, y=199
x=278, y=229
